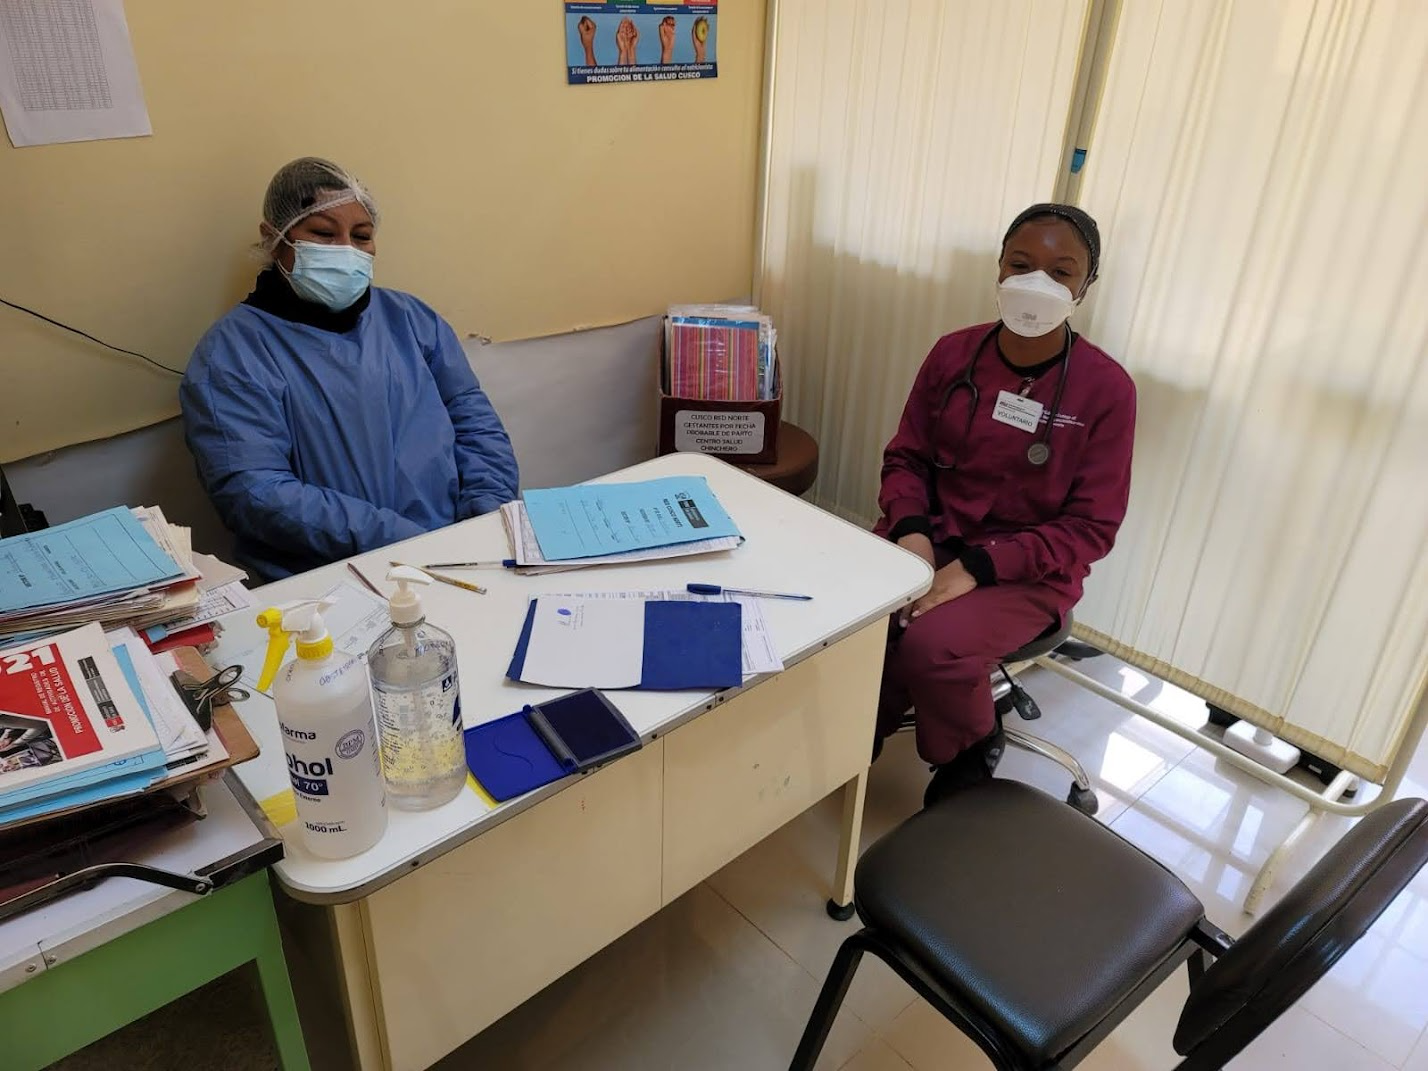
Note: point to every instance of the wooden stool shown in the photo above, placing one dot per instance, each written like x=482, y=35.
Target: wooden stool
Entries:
x=797, y=464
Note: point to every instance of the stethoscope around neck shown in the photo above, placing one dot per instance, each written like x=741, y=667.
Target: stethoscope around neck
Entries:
x=1039, y=451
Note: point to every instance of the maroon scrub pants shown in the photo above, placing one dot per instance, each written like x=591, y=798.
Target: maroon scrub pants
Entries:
x=940, y=666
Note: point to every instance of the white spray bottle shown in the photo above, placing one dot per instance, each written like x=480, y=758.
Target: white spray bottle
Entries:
x=325, y=714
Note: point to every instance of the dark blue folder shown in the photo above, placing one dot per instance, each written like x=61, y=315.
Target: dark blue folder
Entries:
x=687, y=645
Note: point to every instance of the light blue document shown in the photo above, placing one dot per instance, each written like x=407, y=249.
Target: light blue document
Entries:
x=611, y=518
x=98, y=555
x=112, y=789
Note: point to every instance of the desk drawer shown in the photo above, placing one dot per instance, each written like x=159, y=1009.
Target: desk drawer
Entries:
x=460, y=942
x=738, y=773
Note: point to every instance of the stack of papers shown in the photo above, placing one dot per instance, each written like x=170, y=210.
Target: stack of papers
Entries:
x=107, y=567
x=720, y=353
x=87, y=717
x=71, y=729
x=525, y=548
x=118, y=567
x=618, y=523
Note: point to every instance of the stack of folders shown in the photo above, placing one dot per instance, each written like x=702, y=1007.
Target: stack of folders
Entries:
x=617, y=523
x=87, y=717
x=121, y=567
x=724, y=353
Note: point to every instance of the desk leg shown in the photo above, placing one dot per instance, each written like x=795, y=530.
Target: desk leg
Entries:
x=855, y=792
x=362, y=1003
x=81, y=1000
x=278, y=992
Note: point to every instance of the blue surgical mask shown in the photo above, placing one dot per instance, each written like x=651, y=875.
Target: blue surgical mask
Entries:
x=331, y=275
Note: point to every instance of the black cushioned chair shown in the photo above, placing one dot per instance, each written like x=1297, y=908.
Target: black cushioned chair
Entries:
x=1036, y=930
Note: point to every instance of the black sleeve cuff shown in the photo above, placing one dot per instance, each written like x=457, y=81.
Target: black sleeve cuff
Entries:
x=978, y=564
x=911, y=526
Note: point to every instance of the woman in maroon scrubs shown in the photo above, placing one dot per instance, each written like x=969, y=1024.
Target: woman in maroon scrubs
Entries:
x=1009, y=474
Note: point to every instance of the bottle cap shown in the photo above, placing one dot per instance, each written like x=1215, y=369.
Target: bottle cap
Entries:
x=405, y=606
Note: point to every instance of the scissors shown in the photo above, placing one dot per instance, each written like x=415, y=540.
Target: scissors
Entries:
x=1039, y=451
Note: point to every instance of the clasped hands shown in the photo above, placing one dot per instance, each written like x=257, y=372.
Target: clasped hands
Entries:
x=950, y=582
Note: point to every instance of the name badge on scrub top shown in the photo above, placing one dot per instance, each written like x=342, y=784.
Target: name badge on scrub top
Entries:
x=1019, y=412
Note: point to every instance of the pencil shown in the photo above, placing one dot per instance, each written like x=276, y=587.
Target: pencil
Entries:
x=365, y=582
x=506, y=563
x=477, y=588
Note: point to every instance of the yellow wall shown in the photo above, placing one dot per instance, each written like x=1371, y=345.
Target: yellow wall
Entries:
x=516, y=205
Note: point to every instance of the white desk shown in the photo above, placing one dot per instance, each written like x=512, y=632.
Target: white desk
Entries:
x=458, y=915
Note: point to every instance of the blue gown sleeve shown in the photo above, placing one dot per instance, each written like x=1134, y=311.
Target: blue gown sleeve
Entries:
x=485, y=462
x=237, y=433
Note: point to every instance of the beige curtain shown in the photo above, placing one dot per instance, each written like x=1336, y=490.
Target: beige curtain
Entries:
x=903, y=136
x=1260, y=173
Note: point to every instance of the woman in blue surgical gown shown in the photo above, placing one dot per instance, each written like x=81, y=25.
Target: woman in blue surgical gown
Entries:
x=329, y=417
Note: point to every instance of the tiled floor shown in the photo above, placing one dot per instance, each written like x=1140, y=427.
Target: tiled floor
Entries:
x=725, y=977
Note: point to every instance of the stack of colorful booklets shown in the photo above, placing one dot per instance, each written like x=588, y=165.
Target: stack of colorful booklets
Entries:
x=89, y=707
x=721, y=353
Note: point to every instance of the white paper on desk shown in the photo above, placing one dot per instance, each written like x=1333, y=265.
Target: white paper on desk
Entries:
x=216, y=573
x=586, y=643
x=757, y=648
x=213, y=603
x=67, y=72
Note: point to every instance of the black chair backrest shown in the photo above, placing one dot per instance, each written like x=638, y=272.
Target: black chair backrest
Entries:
x=1296, y=942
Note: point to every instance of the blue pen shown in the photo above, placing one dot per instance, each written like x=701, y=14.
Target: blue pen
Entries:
x=507, y=563
x=715, y=589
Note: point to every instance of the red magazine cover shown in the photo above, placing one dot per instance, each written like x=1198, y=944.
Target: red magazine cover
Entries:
x=65, y=707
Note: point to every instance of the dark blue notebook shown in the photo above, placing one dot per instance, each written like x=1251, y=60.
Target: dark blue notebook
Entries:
x=687, y=645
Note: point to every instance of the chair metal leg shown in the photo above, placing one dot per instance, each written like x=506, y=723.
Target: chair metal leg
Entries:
x=830, y=999
x=1046, y=749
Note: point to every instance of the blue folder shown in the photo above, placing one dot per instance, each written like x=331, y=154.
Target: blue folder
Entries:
x=687, y=645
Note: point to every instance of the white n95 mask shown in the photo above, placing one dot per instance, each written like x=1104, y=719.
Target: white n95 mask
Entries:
x=1033, y=304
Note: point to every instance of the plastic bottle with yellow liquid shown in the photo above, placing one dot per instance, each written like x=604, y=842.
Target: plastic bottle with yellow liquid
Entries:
x=418, y=702
x=325, y=715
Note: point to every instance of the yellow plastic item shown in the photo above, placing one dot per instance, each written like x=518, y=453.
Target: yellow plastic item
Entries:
x=302, y=618
x=272, y=620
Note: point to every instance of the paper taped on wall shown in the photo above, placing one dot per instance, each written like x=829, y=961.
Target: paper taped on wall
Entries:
x=67, y=72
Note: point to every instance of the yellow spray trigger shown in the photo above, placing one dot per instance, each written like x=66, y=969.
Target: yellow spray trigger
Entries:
x=272, y=620
x=303, y=618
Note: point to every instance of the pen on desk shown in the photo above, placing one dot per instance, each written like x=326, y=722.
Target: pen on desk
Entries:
x=365, y=582
x=507, y=563
x=715, y=589
x=477, y=588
